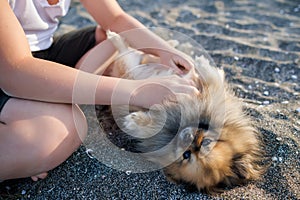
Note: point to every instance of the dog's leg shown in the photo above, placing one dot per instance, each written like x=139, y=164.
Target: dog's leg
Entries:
x=117, y=41
x=126, y=61
x=147, y=58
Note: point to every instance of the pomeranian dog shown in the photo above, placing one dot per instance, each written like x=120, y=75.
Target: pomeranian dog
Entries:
x=204, y=140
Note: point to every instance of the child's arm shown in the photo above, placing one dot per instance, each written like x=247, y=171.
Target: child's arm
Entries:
x=24, y=76
x=110, y=16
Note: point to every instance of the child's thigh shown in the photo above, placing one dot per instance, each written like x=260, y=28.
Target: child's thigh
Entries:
x=19, y=109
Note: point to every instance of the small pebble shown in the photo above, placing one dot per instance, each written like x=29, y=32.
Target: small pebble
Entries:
x=285, y=102
x=128, y=172
x=297, y=128
x=294, y=77
x=51, y=189
x=298, y=110
x=250, y=87
x=279, y=139
x=274, y=159
x=23, y=192
x=266, y=102
x=277, y=69
x=266, y=93
x=236, y=58
x=89, y=153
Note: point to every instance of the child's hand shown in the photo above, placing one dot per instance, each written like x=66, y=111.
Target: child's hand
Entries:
x=153, y=91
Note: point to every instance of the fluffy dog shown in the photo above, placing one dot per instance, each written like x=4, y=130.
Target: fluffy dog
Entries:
x=206, y=140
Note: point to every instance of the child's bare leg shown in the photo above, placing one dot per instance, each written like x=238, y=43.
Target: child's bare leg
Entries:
x=36, y=137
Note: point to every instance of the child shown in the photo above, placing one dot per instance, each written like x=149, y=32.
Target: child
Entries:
x=41, y=124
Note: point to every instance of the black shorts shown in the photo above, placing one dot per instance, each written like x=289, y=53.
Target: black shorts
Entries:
x=3, y=99
x=66, y=49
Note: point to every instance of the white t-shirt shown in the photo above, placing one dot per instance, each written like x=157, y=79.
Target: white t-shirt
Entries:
x=39, y=20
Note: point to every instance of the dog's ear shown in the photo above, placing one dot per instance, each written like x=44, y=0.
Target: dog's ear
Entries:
x=243, y=168
x=239, y=166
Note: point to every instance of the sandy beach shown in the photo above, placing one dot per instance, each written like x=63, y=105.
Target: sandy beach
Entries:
x=258, y=45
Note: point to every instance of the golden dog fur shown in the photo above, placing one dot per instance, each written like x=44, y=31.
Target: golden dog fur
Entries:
x=207, y=140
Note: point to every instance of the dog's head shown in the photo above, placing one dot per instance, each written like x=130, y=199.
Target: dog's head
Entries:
x=212, y=155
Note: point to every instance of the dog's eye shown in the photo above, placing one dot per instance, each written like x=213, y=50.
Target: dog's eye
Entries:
x=186, y=154
x=203, y=126
x=206, y=142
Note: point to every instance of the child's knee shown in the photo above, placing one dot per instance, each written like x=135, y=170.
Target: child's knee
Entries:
x=74, y=122
x=67, y=129
x=80, y=123
x=66, y=137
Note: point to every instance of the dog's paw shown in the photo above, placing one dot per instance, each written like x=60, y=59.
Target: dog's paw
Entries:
x=117, y=41
x=130, y=121
x=137, y=124
x=185, y=137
